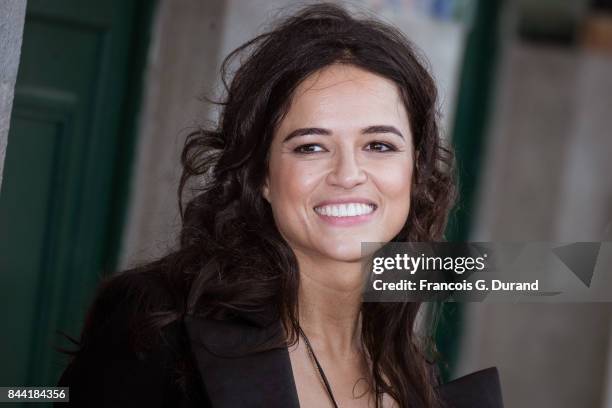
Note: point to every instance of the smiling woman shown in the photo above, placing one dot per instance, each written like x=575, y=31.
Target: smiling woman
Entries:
x=328, y=138
x=348, y=139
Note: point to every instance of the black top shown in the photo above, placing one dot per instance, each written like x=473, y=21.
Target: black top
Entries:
x=202, y=363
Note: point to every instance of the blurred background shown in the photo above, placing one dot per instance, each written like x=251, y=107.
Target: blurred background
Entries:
x=97, y=97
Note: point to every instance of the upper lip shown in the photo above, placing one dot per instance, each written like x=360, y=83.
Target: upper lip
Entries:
x=356, y=200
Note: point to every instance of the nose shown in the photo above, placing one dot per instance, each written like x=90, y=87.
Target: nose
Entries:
x=347, y=171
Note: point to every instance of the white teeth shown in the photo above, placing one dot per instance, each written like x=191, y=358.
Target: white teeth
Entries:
x=345, y=210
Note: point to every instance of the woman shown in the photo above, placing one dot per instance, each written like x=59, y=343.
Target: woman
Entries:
x=327, y=138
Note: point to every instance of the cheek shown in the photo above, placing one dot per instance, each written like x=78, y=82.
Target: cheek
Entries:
x=291, y=185
x=396, y=188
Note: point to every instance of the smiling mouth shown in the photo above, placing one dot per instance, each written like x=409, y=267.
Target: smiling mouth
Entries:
x=345, y=210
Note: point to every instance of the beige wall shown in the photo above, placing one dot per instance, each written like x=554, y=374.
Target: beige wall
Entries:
x=181, y=69
x=546, y=178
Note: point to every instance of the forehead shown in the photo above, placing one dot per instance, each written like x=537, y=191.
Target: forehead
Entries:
x=342, y=95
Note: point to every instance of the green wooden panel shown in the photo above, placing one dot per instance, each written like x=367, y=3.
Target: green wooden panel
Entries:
x=469, y=139
x=81, y=12
x=27, y=244
x=73, y=115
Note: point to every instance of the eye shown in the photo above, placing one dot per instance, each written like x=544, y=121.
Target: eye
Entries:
x=381, y=147
x=309, y=148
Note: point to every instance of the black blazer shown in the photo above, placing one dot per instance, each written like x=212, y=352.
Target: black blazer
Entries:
x=202, y=363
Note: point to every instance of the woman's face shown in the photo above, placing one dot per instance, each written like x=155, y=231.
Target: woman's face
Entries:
x=340, y=165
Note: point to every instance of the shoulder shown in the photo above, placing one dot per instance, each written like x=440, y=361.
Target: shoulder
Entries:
x=132, y=347
x=129, y=311
x=480, y=389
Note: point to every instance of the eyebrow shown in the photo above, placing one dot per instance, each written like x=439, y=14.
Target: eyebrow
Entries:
x=326, y=132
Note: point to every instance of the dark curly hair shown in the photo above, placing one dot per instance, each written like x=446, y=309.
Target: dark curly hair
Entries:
x=232, y=257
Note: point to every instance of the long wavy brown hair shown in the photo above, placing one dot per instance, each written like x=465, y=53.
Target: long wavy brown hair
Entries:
x=232, y=257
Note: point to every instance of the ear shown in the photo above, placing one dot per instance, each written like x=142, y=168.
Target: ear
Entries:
x=265, y=190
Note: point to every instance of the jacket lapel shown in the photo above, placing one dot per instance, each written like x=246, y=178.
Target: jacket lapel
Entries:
x=234, y=375
x=480, y=389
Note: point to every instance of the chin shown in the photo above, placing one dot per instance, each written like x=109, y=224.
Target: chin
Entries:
x=345, y=252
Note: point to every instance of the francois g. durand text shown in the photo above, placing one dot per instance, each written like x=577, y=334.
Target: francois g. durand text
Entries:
x=479, y=285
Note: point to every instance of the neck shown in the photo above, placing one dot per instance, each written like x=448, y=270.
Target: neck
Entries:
x=329, y=305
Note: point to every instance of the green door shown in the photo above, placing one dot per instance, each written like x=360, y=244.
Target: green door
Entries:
x=67, y=162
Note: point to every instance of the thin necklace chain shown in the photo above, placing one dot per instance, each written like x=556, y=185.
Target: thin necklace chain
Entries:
x=313, y=357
